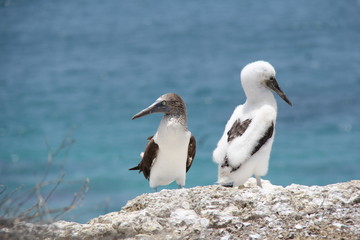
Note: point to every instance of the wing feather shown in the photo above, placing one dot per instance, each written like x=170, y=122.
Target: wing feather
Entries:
x=150, y=154
x=238, y=129
x=268, y=134
x=235, y=157
x=191, y=152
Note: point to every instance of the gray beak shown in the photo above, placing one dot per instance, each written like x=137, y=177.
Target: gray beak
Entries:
x=157, y=107
x=274, y=86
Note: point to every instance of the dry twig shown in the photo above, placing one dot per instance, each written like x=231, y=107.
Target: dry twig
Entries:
x=32, y=204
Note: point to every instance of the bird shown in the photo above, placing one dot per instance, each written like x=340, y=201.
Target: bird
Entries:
x=170, y=153
x=244, y=148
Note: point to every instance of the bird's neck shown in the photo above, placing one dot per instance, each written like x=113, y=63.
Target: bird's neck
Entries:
x=174, y=121
x=259, y=97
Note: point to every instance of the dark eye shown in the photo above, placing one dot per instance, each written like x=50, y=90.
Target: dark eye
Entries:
x=272, y=78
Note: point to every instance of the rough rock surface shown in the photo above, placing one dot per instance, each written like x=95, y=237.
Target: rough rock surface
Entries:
x=215, y=212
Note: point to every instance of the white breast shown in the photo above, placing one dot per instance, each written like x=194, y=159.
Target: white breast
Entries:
x=170, y=164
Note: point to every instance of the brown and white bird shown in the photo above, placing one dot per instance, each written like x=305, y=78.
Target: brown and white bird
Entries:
x=245, y=146
x=170, y=152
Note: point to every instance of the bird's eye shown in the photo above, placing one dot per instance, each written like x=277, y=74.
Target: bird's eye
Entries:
x=272, y=78
x=163, y=103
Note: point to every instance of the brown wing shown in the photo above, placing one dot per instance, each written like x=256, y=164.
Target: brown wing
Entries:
x=238, y=129
x=150, y=154
x=191, y=152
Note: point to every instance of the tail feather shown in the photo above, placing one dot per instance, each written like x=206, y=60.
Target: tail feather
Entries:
x=135, y=168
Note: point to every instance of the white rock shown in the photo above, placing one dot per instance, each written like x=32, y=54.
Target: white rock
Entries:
x=183, y=215
x=215, y=212
x=254, y=236
x=299, y=226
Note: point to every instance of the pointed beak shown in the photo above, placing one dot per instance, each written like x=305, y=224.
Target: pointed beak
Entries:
x=156, y=107
x=274, y=86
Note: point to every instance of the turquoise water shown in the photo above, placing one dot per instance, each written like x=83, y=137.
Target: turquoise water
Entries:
x=88, y=66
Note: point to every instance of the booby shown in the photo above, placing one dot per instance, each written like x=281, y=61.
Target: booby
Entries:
x=245, y=146
x=169, y=154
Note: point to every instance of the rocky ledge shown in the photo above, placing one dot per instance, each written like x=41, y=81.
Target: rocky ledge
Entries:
x=216, y=212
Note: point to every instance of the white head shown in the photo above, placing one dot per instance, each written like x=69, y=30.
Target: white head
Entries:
x=257, y=78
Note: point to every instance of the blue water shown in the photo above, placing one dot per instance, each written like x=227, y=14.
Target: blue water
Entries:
x=84, y=68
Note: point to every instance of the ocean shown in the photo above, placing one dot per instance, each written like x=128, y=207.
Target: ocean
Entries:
x=75, y=72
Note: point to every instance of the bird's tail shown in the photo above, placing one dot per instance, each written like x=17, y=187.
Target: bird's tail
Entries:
x=135, y=168
x=138, y=166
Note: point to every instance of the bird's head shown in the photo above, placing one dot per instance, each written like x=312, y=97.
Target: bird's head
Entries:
x=169, y=104
x=261, y=75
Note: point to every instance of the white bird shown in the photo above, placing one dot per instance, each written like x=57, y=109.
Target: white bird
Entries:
x=245, y=146
x=171, y=151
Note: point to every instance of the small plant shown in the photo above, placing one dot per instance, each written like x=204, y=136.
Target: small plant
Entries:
x=32, y=204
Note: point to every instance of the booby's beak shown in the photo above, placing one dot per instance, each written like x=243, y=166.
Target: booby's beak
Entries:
x=159, y=106
x=272, y=84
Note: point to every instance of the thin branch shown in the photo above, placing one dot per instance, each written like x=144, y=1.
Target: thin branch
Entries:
x=12, y=203
x=54, y=188
x=77, y=198
x=3, y=189
x=35, y=189
x=9, y=195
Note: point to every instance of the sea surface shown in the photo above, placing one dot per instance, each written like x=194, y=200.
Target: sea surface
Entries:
x=73, y=73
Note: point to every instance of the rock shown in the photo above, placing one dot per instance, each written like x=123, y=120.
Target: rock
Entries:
x=216, y=212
